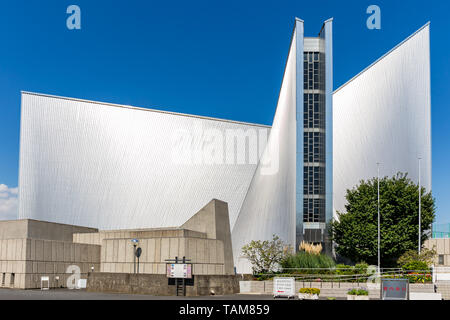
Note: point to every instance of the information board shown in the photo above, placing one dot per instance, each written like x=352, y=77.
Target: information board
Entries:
x=284, y=287
x=395, y=289
x=82, y=284
x=179, y=270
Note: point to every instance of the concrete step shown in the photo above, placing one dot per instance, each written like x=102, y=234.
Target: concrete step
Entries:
x=444, y=289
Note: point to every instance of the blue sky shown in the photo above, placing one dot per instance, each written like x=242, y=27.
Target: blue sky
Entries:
x=220, y=59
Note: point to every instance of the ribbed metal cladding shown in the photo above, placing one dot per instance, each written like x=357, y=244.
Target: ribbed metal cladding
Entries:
x=112, y=167
x=269, y=207
x=383, y=116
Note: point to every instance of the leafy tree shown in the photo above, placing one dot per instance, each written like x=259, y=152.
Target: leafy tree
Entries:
x=265, y=256
x=355, y=232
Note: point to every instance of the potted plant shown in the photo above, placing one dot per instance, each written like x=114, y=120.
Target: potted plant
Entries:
x=309, y=294
x=358, y=294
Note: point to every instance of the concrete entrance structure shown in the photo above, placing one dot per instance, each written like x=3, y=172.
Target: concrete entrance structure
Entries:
x=30, y=249
x=205, y=239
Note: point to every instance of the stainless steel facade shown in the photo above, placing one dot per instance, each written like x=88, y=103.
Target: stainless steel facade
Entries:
x=383, y=115
x=275, y=203
x=270, y=203
x=114, y=167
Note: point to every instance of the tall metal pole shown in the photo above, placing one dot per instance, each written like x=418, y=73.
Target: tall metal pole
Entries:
x=378, y=181
x=420, y=212
x=134, y=258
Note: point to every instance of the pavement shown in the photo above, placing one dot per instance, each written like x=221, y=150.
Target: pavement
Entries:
x=66, y=294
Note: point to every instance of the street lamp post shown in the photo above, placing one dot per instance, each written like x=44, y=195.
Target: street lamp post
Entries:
x=135, y=243
x=378, y=199
x=420, y=211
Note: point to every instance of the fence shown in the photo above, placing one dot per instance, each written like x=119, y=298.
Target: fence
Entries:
x=441, y=274
x=441, y=231
x=349, y=274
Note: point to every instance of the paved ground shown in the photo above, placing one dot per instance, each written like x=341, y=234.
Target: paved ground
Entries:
x=65, y=294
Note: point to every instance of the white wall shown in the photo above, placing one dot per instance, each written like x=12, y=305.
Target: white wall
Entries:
x=384, y=115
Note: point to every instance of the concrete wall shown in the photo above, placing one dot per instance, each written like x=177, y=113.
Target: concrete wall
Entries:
x=327, y=289
x=52, y=258
x=54, y=231
x=33, y=229
x=13, y=262
x=207, y=255
x=30, y=249
x=213, y=220
x=97, y=238
x=27, y=260
x=442, y=247
x=158, y=284
x=24, y=260
x=14, y=229
x=205, y=239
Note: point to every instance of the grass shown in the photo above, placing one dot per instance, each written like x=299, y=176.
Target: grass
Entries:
x=307, y=261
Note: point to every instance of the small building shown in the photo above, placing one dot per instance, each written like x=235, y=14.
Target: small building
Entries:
x=30, y=249
x=442, y=247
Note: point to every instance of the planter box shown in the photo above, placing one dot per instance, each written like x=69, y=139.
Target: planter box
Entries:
x=355, y=297
x=306, y=296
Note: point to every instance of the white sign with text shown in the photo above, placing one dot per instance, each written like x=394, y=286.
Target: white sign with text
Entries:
x=284, y=287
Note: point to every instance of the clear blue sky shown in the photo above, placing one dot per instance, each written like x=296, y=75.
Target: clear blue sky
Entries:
x=221, y=59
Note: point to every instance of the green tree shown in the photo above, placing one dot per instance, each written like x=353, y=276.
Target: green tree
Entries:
x=355, y=232
x=265, y=256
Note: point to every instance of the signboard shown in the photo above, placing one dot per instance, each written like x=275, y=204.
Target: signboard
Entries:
x=47, y=281
x=394, y=289
x=179, y=270
x=284, y=287
x=82, y=283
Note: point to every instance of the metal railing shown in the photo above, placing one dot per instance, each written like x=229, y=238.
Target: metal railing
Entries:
x=348, y=275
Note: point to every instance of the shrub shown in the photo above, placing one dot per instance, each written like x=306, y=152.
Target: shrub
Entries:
x=265, y=255
x=358, y=269
x=358, y=292
x=310, y=248
x=343, y=269
x=361, y=268
x=262, y=277
x=304, y=260
x=419, y=277
x=416, y=266
x=426, y=255
x=310, y=291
